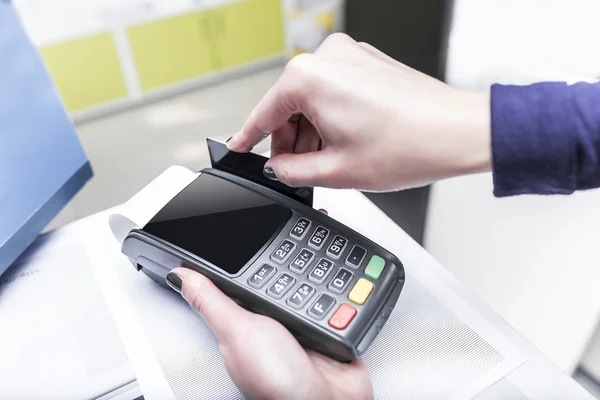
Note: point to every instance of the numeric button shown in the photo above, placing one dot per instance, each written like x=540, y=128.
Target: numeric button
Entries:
x=302, y=260
x=318, y=237
x=301, y=296
x=355, y=257
x=340, y=281
x=282, y=253
x=300, y=228
x=321, y=307
x=320, y=271
x=261, y=276
x=281, y=286
x=337, y=247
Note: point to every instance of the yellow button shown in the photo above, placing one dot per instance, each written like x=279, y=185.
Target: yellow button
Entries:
x=361, y=291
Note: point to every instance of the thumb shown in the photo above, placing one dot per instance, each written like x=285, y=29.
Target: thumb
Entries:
x=220, y=312
x=317, y=168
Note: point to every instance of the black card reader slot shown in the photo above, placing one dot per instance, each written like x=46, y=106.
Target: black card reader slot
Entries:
x=250, y=166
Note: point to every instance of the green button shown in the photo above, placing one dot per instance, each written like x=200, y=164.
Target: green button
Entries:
x=375, y=267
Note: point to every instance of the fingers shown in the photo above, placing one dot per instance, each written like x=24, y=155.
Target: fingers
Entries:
x=283, y=101
x=308, y=138
x=319, y=168
x=283, y=140
x=297, y=89
x=220, y=312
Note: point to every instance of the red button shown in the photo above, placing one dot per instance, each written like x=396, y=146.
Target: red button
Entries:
x=342, y=316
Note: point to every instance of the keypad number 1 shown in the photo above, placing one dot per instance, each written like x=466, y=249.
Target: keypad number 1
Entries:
x=300, y=228
x=318, y=238
x=261, y=276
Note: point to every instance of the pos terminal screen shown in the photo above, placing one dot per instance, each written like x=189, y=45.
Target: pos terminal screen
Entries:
x=219, y=221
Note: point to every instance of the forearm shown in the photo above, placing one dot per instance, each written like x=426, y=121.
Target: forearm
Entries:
x=545, y=138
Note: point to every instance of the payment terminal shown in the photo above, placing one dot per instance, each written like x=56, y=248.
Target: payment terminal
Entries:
x=263, y=244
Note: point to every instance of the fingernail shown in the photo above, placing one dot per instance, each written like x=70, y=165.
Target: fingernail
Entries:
x=270, y=174
x=227, y=141
x=174, y=281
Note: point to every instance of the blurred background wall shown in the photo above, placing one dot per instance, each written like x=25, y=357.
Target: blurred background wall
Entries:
x=107, y=55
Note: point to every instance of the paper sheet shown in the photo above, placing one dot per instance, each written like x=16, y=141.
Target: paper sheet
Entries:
x=58, y=340
x=433, y=346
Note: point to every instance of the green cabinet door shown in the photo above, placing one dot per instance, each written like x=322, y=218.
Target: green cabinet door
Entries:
x=171, y=50
x=86, y=71
x=247, y=30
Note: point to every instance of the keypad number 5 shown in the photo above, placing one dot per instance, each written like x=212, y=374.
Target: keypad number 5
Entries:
x=302, y=260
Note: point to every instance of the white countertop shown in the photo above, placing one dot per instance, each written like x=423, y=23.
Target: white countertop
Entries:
x=536, y=378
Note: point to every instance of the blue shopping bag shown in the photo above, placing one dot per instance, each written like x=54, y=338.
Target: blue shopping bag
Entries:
x=42, y=162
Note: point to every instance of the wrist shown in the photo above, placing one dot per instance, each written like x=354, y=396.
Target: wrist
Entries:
x=477, y=135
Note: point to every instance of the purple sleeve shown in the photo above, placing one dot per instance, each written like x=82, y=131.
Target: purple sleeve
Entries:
x=545, y=138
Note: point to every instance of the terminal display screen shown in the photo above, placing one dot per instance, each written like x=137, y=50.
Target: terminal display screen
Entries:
x=219, y=221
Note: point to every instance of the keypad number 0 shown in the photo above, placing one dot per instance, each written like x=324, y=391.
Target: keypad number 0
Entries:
x=340, y=281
